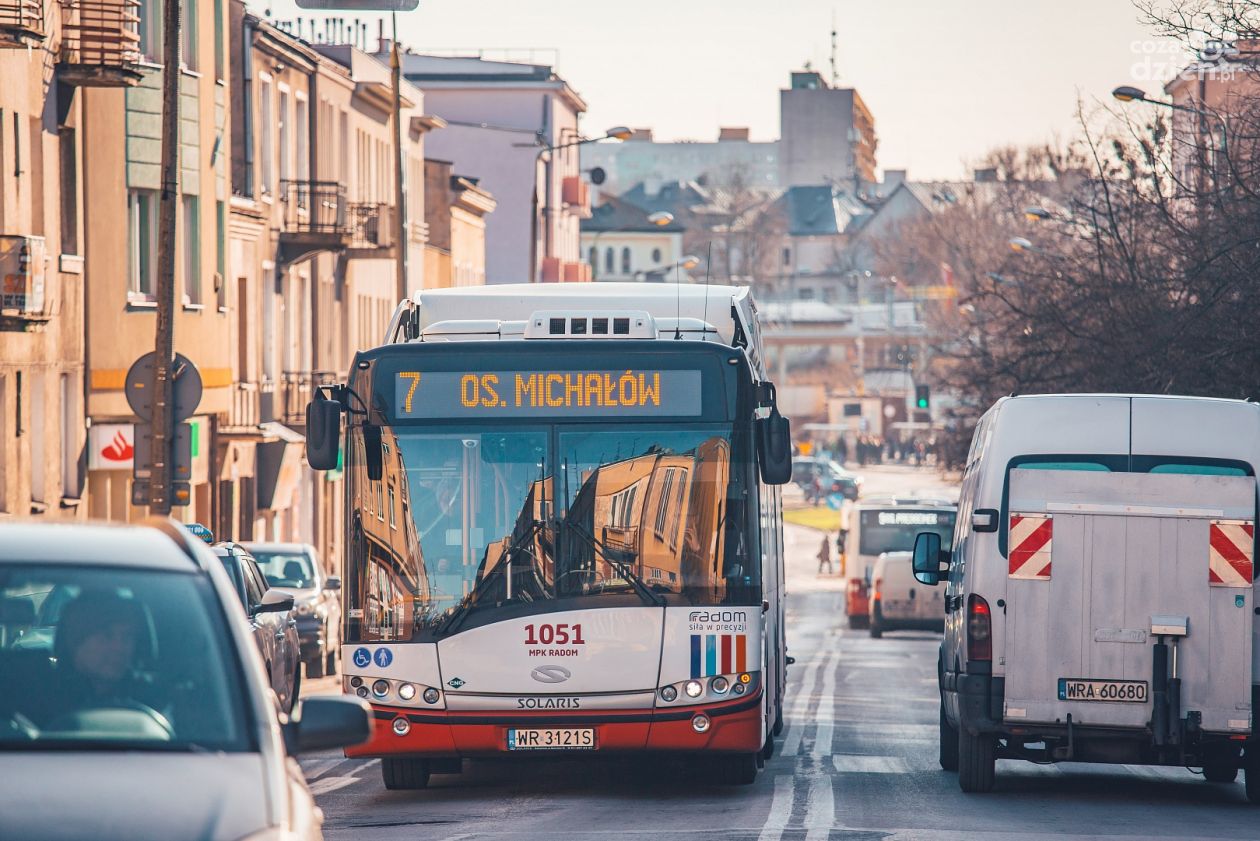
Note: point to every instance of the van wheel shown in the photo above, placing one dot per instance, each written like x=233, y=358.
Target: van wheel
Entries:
x=778, y=718
x=737, y=769
x=949, y=743
x=404, y=774
x=297, y=688
x=858, y=623
x=1218, y=772
x=976, y=762
x=876, y=630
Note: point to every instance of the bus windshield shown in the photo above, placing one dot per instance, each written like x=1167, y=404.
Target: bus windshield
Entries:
x=894, y=530
x=471, y=519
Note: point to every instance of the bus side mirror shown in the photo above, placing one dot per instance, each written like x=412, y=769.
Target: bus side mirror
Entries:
x=929, y=559
x=323, y=433
x=774, y=448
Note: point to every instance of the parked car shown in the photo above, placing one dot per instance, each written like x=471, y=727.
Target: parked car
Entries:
x=294, y=568
x=1099, y=589
x=133, y=704
x=271, y=618
x=825, y=475
x=901, y=603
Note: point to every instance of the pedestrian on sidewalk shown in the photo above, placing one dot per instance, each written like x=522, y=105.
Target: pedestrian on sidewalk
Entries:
x=824, y=556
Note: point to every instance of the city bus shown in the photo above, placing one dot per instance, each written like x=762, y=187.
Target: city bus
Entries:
x=563, y=526
x=876, y=526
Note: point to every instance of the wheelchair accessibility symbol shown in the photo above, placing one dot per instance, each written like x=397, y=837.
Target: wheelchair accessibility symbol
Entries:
x=362, y=658
x=383, y=657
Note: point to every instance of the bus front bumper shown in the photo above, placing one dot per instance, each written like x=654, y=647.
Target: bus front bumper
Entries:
x=735, y=726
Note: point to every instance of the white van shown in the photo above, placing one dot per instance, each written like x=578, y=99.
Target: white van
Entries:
x=899, y=602
x=1099, y=600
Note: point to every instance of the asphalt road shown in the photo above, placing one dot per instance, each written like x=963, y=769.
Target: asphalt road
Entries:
x=857, y=761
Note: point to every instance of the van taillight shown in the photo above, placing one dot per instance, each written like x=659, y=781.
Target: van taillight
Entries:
x=878, y=583
x=979, y=629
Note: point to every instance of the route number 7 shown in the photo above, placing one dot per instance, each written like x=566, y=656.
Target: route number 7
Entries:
x=414, y=376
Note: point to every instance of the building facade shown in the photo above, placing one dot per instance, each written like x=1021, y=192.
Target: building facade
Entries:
x=456, y=208
x=502, y=119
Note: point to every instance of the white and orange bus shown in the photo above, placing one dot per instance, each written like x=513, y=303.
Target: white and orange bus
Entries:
x=564, y=527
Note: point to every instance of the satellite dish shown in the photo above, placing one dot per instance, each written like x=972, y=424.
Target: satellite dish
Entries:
x=598, y=176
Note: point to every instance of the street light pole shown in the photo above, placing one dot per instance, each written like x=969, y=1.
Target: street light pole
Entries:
x=160, y=480
x=1126, y=93
x=400, y=190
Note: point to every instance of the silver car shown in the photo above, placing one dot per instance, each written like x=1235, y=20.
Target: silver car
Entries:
x=294, y=568
x=133, y=702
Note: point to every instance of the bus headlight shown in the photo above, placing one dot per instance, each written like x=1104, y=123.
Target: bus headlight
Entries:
x=432, y=696
x=693, y=688
x=719, y=685
x=380, y=688
x=402, y=726
x=669, y=693
x=407, y=691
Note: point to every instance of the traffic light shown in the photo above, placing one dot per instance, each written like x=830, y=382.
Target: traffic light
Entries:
x=922, y=396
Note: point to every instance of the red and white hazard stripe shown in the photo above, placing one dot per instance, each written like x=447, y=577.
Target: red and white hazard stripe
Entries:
x=1231, y=545
x=1030, y=539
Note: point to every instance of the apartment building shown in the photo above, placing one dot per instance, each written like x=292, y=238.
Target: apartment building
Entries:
x=313, y=256
x=455, y=211
x=42, y=243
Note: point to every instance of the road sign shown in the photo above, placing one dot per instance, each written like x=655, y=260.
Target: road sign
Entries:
x=360, y=5
x=181, y=453
x=185, y=387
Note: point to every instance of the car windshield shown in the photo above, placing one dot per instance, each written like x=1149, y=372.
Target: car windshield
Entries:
x=470, y=519
x=895, y=530
x=115, y=659
x=285, y=569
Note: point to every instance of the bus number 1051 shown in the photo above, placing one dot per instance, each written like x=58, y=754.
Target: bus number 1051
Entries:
x=560, y=634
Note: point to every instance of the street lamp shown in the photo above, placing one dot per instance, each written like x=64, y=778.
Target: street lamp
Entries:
x=1128, y=93
x=688, y=262
x=1037, y=214
x=618, y=133
x=661, y=218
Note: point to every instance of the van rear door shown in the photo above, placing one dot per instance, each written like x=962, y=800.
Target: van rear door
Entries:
x=1092, y=557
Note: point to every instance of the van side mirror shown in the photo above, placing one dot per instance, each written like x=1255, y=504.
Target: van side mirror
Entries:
x=774, y=448
x=323, y=433
x=929, y=559
x=333, y=582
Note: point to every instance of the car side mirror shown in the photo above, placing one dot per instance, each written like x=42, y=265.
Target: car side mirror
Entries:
x=332, y=583
x=929, y=558
x=333, y=721
x=323, y=433
x=774, y=448
x=274, y=601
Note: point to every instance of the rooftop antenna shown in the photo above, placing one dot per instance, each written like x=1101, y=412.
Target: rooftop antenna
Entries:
x=835, y=75
x=677, y=299
x=708, y=272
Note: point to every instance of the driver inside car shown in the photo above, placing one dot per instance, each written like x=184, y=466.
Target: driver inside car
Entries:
x=97, y=645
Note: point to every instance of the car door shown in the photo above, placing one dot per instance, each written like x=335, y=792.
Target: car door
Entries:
x=262, y=624
x=284, y=639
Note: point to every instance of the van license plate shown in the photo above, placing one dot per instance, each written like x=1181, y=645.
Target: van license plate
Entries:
x=551, y=738
x=1118, y=691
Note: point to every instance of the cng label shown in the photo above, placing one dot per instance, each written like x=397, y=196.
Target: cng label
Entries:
x=1230, y=549
x=1030, y=540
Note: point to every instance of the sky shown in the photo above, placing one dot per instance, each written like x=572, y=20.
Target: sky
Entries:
x=946, y=80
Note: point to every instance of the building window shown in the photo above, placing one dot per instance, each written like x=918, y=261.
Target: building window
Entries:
x=625, y=260
x=151, y=30
x=285, y=126
x=393, y=522
x=303, y=141
x=70, y=423
x=608, y=261
x=218, y=39
x=593, y=259
x=188, y=36
x=656, y=256
x=220, y=253
x=787, y=256
x=69, y=192
x=267, y=149
x=142, y=218
x=191, y=207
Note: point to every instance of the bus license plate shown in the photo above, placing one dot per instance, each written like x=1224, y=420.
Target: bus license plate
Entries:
x=551, y=738
x=1118, y=691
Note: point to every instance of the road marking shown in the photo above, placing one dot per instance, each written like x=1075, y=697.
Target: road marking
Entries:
x=820, y=813
x=825, y=715
x=780, y=809
x=316, y=768
x=328, y=784
x=800, y=704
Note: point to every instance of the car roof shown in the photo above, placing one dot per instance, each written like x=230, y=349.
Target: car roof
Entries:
x=92, y=544
x=266, y=546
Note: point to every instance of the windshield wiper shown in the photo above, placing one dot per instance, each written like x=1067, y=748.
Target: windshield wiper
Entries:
x=622, y=567
x=460, y=612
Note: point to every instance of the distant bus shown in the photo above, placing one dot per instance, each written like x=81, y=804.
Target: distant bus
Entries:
x=877, y=526
x=564, y=528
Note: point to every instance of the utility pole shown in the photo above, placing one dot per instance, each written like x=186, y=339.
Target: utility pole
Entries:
x=160, y=483
x=400, y=190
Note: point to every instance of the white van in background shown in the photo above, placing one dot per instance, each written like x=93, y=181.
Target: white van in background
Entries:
x=899, y=602
x=1100, y=603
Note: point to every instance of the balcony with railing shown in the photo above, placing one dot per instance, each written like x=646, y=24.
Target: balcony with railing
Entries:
x=100, y=44
x=21, y=23
x=315, y=219
x=371, y=229
x=297, y=388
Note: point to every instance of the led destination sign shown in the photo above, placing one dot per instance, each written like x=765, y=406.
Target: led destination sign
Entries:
x=641, y=393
